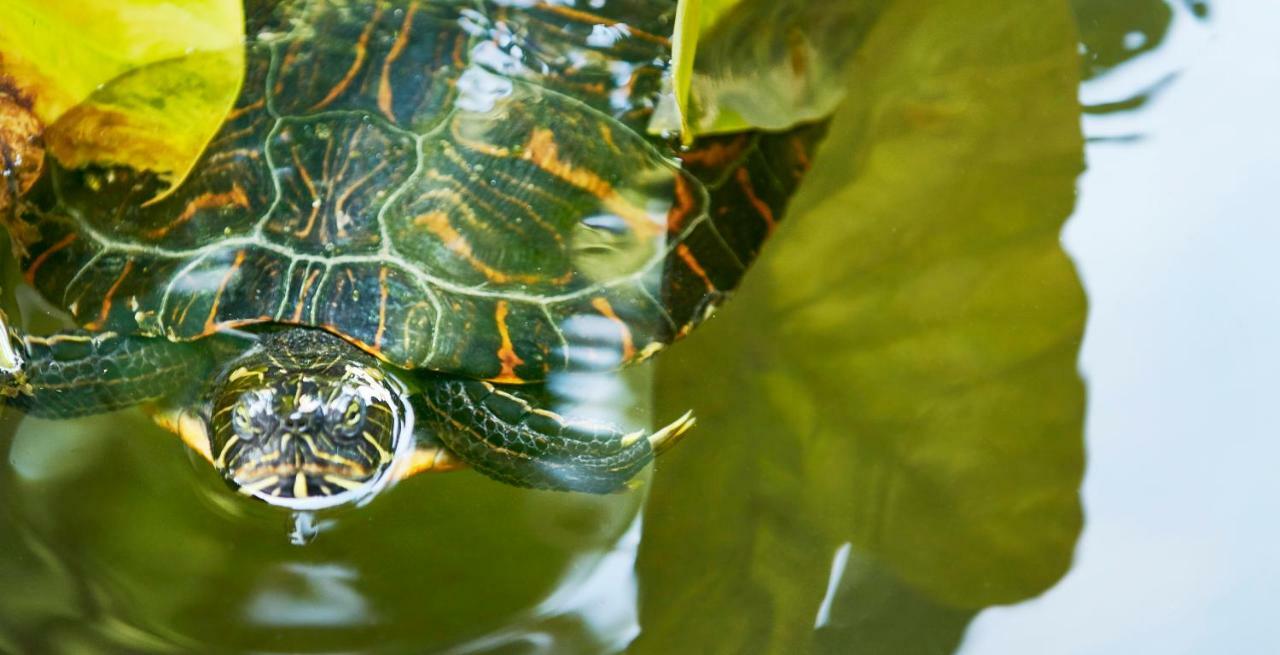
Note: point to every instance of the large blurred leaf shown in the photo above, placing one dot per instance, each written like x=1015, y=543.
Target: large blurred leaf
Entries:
x=144, y=83
x=899, y=373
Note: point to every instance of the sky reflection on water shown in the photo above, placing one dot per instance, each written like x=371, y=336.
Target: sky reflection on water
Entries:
x=1174, y=237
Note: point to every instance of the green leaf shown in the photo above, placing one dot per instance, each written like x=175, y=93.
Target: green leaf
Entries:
x=144, y=83
x=899, y=372
x=693, y=18
x=683, y=48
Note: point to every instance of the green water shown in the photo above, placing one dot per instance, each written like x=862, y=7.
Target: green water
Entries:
x=897, y=450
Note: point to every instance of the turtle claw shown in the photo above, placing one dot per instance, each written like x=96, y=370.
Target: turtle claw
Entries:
x=664, y=439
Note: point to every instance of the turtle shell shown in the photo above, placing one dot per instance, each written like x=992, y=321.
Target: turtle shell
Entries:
x=462, y=186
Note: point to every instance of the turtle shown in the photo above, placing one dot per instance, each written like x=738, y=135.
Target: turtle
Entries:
x=414, y=216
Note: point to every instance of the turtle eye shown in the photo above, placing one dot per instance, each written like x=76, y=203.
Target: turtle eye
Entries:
x=248, y=423
x=347, y=416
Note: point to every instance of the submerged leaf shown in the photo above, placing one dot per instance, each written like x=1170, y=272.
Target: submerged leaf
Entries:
x=768, y=64
x=898, y=376
x=693, y=18
x=142, y=83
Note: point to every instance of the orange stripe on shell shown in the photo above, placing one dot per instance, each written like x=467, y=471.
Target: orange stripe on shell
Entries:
x=506, y=352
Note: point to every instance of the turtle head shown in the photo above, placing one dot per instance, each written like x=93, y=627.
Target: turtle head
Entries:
x=305, y=430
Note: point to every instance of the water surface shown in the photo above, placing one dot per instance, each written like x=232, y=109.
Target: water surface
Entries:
x=1003, y=383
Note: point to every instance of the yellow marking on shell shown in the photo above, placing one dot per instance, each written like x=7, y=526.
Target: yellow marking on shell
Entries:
x=236, y=197
x=382, y=308
x=300, y=486
x=385, y=91
x=110, y=296
x=544, y=153
x=628, y=343
x=463, y=199
x=506, y=351
x=340, y=204
x=39, y=261
x=255, y=487
x=437, y=223
x=761, y=207
x=210, y=326
x=362, y=53
x=588, y=18
x=302, y=295
x=692, y=262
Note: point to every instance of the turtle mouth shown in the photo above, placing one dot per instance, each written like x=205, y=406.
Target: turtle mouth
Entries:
x=309, y=481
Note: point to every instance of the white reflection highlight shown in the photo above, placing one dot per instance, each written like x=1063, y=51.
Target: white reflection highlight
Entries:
x=598, y=589
x=309, y=595
x=838, y=566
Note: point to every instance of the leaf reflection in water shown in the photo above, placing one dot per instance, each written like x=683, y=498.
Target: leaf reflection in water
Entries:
x=899, y=374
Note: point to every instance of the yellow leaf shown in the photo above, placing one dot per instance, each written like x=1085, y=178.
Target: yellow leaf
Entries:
x=141, y=83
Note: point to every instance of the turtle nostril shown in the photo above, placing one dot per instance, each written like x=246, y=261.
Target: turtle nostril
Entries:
x=298, y=422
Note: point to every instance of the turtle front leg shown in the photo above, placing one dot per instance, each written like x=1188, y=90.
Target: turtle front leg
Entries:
x=507, y=438
x=78, y=373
